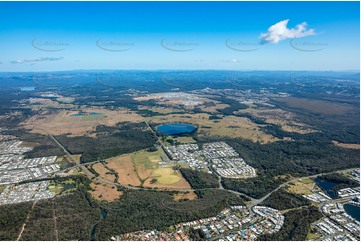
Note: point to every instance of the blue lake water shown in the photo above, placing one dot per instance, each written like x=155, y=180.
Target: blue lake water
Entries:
x=78, y=114
x=353, y=211
x=84, y=114
x=176, y=128
x=327, y=186
x=27, y=89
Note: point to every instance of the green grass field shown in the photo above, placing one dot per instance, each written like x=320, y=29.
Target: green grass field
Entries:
x=148, y=159
x=57, y=189
x=96, y=117
x=185, y=140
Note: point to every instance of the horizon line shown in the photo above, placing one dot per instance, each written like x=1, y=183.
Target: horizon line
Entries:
x=155, y=70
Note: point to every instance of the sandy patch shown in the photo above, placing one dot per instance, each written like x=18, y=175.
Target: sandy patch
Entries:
x=185, y=195
x=344, y=145
x=104, y=192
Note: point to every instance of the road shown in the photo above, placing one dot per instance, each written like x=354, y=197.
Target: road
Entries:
x=253, y=201
x=260, y=200
x=91, y=175
x=26, y=221
x=56, y=233
x=71, y=157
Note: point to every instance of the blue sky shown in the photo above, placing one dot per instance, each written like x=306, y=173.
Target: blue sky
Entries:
x=43, y=36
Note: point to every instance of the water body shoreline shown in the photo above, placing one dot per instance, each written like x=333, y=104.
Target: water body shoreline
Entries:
x=176, y=128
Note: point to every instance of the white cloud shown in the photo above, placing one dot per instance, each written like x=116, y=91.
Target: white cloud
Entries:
x=21, y=61
x=279, y=31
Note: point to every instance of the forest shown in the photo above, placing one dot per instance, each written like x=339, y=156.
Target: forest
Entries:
x=199, y=179
x=80, y=217
x=12, y=218
x=282, y=200
x=296, y=226
x=109, y=141
x=290, y=158
x=139, y=210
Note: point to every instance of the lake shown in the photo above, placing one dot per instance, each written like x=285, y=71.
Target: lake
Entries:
x=353, y=211
x=327, y=186
x=27, y=89
x=176, y=128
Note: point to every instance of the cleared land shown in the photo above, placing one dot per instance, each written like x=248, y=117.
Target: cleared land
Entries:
x=176, y=99
x=104, y=192
x=302, y=186
x=162, y=110
x=44, y=103
x=64, y=122
x=123, y=165
x=214, y=108
x=231, y=126
x=348, y=146
x=142, y=168
x=181, y=184
x=103, y=172
x=317, y=106
x=143, y=164
x=165, y=176
x=155, y=176
x=279, y=117
x=185, y=196
x=184, y=139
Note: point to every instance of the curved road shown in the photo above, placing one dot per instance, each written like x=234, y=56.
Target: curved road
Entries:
x=253, y=201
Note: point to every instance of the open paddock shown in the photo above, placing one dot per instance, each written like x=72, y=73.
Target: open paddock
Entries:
x=74, y=124
x=229, y=126
x=302, y=187
x=104, y=192
x=317, y=106
x=123, y=165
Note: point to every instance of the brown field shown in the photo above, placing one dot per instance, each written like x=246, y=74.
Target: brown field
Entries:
x=102, y=170
x=162, y=110
x=143, y=173
x=44, y=103
x=63, y=123
x=230, y=126
x=344, y=145
x=154, y=176
x=104, y=192
x=214, y=108
x=317, y=106
x=146, y=168
x=185, y=195
x=280, y=117
x=302, y=186
x=124, y=166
